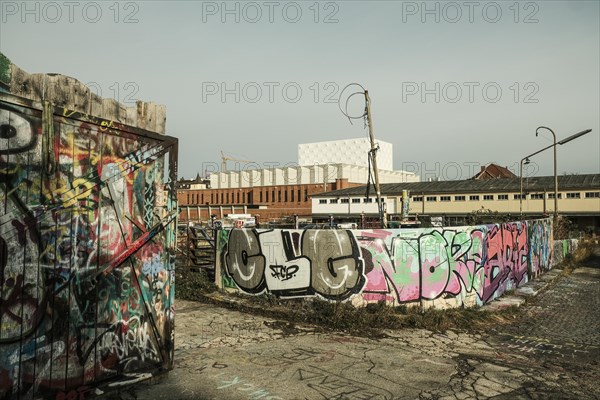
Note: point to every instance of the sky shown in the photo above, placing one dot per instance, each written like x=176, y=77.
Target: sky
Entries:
x=453, y=85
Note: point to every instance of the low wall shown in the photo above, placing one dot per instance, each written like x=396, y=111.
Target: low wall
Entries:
x=436, y=267
x=562, y=248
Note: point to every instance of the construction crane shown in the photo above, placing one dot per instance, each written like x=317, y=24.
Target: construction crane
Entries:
x=225, y=158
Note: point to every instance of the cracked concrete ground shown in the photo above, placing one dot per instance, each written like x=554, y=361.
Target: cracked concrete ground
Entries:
x=552, y=352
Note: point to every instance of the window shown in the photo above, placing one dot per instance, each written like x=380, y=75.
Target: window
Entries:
x=212, y=200
x=551, y=195
x=518, y=196
x=188, y=198
x=502, y=197
x=285, y=196
x=459, y=198
x=573, y=195
x=345, y=201
x=292, y=194
x=273, y=196
x=474, y=197
x=537, y=196
x=355, y=200
x=202, y=198
x=417, y=198
x=592, y=195
x=444, y=198
x=222, y=198
x=332, y=201
x=305, y=194
x=368, y=200
x=322, y=201
x=488, y=197
x=431, y=198
x=279, y=196
x=261, y=197
x=227, y=197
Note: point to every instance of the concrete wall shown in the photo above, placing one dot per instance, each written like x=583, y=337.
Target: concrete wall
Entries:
x=87, y=241
x=438, y=267
x=562, y=248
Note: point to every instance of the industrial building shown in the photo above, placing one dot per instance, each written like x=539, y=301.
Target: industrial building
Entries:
x=277, y=192
x=455, y=201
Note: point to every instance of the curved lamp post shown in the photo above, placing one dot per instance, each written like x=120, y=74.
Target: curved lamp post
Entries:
x=572, y=137
x=526, y=160
x=555, y=174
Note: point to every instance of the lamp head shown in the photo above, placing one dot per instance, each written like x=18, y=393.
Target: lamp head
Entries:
x=527, y=161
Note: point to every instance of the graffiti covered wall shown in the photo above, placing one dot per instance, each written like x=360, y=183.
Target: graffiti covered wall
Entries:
x=562, y=248
x=441, y=267
x=87, y=244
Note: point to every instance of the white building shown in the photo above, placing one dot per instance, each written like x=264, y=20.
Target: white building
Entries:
x=300, y=175
x=347, y=151
x=319, y=163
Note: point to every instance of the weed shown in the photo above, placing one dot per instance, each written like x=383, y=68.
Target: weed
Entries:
x=191, y=285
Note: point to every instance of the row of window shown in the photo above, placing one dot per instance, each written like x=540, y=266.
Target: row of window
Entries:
x=346, y=200
x=241, y=197
x=474, y=197
x=533, y=196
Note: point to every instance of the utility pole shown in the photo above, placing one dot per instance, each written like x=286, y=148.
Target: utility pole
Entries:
x=373, y=155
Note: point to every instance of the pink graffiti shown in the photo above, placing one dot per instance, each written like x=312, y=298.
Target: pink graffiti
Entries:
x=429, y=266
x=506, y=265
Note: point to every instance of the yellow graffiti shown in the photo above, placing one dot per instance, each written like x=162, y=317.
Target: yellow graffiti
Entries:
x=67, y=113
x=82, y=189
x=105, y=125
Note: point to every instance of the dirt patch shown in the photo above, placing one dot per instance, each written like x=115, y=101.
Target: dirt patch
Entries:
x=193, y=285
x=370, y=321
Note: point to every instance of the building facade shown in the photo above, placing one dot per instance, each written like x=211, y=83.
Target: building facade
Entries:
x=273, y=193
x=578, y=198
x=346, y=151
x=303, y=175
x=267, y=202
x=278, y=192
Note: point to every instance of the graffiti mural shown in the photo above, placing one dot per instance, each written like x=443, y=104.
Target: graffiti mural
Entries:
x=423, y=264
x=294, y=262
x=506, y=258
x=86, y=250
x=440, y=267
x=563, y=248
x=540, y=240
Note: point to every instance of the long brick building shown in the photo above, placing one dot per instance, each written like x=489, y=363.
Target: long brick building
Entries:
x=268, y=202
x=278, y=192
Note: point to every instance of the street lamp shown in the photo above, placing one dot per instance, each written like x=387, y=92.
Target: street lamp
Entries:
x=572, y=137
x=526, y=160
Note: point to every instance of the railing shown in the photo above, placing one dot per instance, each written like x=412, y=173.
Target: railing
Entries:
x=196, y=249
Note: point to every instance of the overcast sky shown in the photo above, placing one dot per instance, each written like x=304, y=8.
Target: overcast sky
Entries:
x=454, y=85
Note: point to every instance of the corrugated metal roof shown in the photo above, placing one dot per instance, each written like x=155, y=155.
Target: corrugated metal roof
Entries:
x=531, y=184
